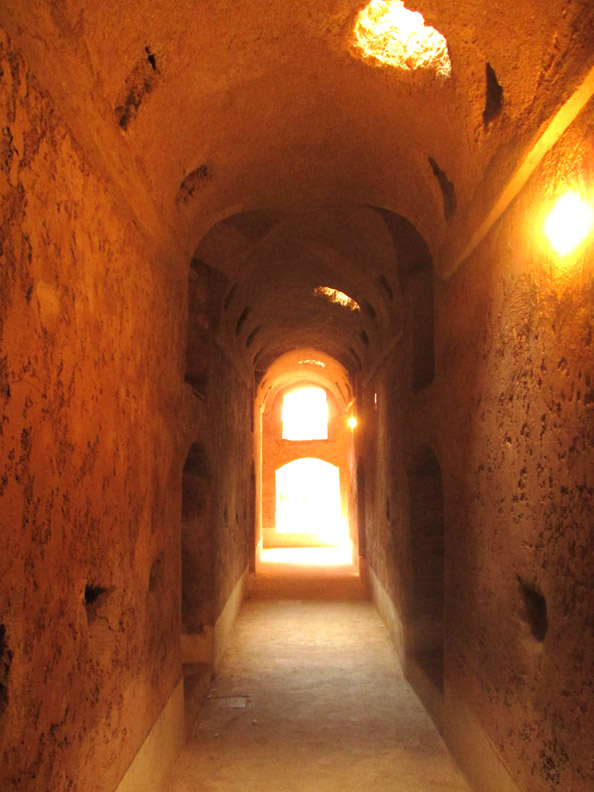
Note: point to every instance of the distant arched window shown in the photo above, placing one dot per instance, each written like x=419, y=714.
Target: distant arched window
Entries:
x=305, y=414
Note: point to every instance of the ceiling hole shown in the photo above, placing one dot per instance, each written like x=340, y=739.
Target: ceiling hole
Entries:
x=156, y=572
x=386, y=286
x=92, y=593
x=230, y=296
x=242, y=319
x=534, y=609
x=95, y=599
x=448, y=192
x=370, y=310
x=336, y=296
x=5, y=662
x=355, y=356
x=252, y=336
x=197, y=180
x=394, y=36
x=140, y=82
x=364, y=337
x=493, y=97
x=151, y=58
x=338, y=388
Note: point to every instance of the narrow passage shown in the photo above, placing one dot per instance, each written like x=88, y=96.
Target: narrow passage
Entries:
x=310, y=696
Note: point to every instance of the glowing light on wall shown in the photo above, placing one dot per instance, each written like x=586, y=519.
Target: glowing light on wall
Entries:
x=308, y=501
x=568, y=224
x=305, y=414
x=352, y=422
x=335, y=296
x=390, y=33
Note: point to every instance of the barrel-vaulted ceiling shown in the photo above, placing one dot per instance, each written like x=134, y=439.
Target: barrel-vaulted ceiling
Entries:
x=255, y=120
x=277, y=263
x=203, y=108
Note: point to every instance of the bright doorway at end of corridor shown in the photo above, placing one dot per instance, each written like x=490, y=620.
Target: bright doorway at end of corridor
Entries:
x=308, y=502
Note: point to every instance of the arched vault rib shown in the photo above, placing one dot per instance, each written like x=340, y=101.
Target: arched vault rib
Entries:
x=274, y=262
x=297, y=366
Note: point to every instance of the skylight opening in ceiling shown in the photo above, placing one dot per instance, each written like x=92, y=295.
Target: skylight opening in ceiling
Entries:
x=338, y=297
x=312, y=362
x=393, y=35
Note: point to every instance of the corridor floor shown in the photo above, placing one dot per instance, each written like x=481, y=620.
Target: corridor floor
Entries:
x=310, y=698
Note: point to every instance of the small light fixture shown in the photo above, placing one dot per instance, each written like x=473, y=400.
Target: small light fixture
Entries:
x=352, y=422
x=568, y=224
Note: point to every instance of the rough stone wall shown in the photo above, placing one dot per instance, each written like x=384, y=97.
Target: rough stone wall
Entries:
x=231, y=439
x=510, y=419
x=278, y=452
x=90, y=474
x=197, y=542
x=517, y=449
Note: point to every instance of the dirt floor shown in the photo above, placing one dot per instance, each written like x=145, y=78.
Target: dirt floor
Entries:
x=310, y=696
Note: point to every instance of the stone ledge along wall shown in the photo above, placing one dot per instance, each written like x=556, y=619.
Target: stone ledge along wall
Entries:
x=90, y=466
x=510, y=419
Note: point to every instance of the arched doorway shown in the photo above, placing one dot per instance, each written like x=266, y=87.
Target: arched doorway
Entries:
x=308, y=501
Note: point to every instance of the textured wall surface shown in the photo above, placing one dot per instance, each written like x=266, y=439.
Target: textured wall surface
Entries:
x=244, y=155
x=518, y=458
x=510, y=418
x=232, y=447
x=89, y=378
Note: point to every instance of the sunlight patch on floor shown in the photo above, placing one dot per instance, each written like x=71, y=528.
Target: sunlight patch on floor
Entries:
x=308, y=556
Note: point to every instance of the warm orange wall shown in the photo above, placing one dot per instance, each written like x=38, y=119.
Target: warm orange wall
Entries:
x=90, y=460
x=510, y=419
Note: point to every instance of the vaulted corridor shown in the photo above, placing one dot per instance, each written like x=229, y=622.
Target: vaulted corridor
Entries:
x=310, y=697
x=207, y=209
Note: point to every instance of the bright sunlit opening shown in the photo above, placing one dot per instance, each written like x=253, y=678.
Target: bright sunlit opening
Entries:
x=308, y=501
x=395, y=36
x=305, y=414
x=568, y=224
x=338, y=297
x=352, y=422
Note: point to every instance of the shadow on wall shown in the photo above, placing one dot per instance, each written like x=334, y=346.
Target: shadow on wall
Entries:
x=415, y=273
x=426, y=600
x=197, y=554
